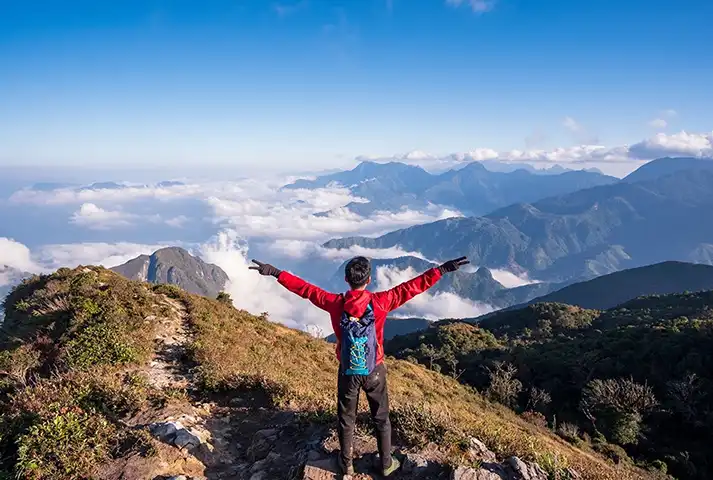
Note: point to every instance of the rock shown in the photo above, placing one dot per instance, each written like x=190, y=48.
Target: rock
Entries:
x=414, y=464
x=262, y=444
x=264, y=464
x=478, y=451
x=186, y=439
x=314, y=455
x=321, y=470
x=261, y=475
x=165, y=430
x=525, y=470
x=573, y=474
x=178, y=477
x=464, y=473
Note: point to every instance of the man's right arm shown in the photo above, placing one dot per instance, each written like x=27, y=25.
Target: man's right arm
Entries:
x=319, y=298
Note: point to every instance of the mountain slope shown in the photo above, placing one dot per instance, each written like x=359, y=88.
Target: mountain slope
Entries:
x=666, y=166
x=259, y=399
x=174, y=265
x=639, y=376
x=472, y=189
x=611, y=290
x=576, y=236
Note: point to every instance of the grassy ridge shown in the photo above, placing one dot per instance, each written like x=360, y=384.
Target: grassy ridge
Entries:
x=74, y=353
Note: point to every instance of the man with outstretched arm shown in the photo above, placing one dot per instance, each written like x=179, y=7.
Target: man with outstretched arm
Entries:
x=358, y=318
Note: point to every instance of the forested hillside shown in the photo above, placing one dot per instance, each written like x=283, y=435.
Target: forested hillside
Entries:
x=635, y=382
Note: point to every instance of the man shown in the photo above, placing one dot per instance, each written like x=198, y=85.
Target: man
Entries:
x=358, y=318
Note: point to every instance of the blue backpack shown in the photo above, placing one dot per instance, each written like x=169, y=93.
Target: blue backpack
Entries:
x=358, y=349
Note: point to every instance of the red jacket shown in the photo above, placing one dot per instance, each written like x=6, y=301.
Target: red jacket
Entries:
x=354, y=302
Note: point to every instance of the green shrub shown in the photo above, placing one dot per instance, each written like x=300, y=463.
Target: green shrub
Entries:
x=613, y=452
x=68, y=445
x=99, y=344
x=569, y=432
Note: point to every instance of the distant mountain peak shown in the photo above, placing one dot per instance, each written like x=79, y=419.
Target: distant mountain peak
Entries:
x=175, y=265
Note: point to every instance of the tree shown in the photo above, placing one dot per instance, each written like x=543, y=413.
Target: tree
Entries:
x=224, y=297
x=538, y=399
x=431, y=353
x=620, y=403
x=504, y=387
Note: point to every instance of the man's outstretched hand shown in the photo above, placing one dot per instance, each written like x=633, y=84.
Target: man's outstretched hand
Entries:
x=265, y=269
x=453, y=265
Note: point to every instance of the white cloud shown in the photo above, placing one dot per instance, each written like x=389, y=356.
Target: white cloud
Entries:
x=678, y=144
x=304, y=249
x=91, y=216
x=284, y=10
x=69, y=196
x=17, y=256
x=428, y=305
x=177, y=222
x=478, y=6
x=255, y=293
x=670, y=113
x=53, y=256
x=509, y=279
x=285, y=220
x=617, y=160
x=571, y=124
x=658, y=123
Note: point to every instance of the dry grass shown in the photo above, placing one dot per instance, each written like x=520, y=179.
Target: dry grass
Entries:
x=237, y=350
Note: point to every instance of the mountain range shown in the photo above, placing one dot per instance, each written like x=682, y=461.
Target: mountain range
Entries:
x=581, y=235
x=174, y=265
x=473, y=189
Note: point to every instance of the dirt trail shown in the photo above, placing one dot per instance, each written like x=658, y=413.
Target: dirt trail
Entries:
x=167, y=369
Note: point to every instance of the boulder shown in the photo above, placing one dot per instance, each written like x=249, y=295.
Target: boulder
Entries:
x=264, y=464
x=263, y=441
x=186, y=439
x=520, y=470
x=464, y=473
x=165, y=431
x=478, y=451
x=415, y=464
x=321, y=470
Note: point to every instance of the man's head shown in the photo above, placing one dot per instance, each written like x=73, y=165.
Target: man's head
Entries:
x=357, y=273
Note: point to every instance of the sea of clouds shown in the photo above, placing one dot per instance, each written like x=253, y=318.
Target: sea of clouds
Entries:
x=226, y=223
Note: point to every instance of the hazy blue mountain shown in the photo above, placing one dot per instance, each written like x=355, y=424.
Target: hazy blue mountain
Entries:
x=472, y=189
x=616, y=288
x=666, y=166
x=176, y=266
x=581, y=235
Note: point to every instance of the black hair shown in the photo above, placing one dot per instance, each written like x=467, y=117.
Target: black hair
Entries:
x=357, y=272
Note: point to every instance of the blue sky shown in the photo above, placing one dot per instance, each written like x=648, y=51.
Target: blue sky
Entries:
x=314, y=83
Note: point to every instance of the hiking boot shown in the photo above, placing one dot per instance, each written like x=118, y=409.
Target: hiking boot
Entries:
x=395, y=464
x=346, y=468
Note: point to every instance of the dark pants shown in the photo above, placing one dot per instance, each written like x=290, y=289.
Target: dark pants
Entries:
x=374, y=385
